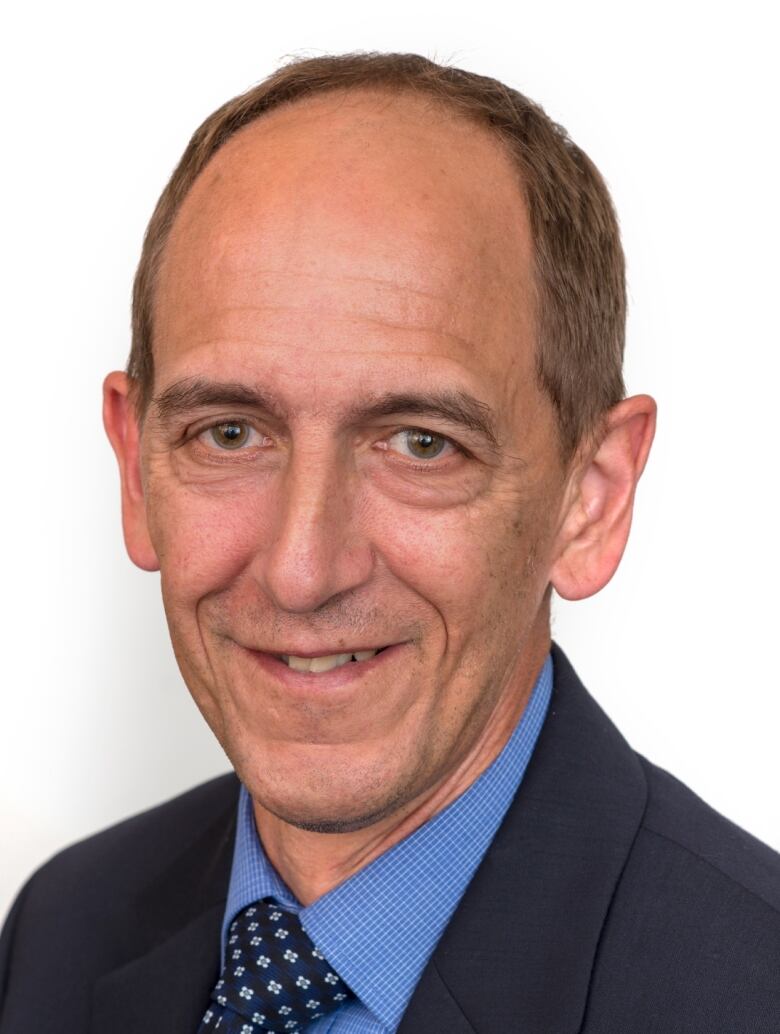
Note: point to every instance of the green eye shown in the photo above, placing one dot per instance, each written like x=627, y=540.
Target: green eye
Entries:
x=423, y=445
x=418, y=444
x=231, y=435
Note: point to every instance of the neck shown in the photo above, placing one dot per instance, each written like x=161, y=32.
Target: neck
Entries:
x=311, y=864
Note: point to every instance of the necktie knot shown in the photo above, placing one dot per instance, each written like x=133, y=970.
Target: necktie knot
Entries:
x=274, y=979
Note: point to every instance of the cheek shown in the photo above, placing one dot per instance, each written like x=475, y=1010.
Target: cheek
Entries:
x=203, y=539
x=465, y=562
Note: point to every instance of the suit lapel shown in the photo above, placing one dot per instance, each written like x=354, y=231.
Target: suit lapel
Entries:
x=167, y=990
x=433, y=1009
x=519, y=951
x=165, y=985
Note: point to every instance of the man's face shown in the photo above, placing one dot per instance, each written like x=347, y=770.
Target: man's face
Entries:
x=347, y=451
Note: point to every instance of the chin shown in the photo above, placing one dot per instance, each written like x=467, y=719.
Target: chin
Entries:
x=331, y=815
x=331, y=801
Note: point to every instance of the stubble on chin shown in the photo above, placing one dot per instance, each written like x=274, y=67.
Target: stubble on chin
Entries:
x=323, y=795
x=338, y=823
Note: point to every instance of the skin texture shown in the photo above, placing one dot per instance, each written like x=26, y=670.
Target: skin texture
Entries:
x=337, y=252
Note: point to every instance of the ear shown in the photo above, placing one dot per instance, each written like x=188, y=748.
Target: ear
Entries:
x=595, y=527
x=122, y=427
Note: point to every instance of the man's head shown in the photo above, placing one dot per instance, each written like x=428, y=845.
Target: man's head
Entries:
x=380, y=415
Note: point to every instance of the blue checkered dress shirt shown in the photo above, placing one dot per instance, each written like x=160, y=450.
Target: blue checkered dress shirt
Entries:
x=379, y=928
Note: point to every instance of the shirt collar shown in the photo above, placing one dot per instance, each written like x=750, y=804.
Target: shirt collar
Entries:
x=379, y=928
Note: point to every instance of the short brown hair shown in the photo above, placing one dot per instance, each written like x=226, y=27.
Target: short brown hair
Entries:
x=579, y=266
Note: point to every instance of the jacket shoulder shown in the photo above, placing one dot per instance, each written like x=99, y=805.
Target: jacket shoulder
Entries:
x=693, y=932
x=133, y=851
x=679, y=816
x=101, y=901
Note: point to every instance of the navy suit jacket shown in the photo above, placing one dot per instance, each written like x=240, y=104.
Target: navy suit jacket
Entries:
x=612, y=901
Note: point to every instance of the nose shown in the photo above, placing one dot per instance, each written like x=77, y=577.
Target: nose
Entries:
x=318, y=549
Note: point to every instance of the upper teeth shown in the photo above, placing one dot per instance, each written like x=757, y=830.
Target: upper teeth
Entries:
x=333, y=660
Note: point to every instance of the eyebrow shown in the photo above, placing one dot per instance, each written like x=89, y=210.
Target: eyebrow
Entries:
x=197, y=393
x=456, y=407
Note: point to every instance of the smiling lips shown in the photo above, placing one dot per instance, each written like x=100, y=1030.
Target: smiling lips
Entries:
x=327, y=662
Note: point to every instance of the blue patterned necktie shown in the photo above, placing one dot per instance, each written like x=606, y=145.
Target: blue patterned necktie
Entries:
x=274, y=978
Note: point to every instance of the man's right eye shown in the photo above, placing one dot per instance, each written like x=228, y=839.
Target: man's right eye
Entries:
x=232, y=435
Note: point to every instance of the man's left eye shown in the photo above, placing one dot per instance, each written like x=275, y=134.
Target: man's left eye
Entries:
x=421, y=445
x=230, y=435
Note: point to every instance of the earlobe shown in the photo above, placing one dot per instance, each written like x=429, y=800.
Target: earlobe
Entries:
x=595, y=528
x=121, y=423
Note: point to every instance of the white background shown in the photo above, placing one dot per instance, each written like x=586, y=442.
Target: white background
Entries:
x=676, y=103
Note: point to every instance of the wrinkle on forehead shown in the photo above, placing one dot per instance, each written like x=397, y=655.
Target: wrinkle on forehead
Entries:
x=282, y=312
x=334, y=211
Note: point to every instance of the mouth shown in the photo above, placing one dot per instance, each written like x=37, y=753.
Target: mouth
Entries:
x=327, y=662
x=314, y=671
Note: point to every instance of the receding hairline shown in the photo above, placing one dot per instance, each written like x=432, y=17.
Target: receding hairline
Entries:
x=387, y=94
x=408, y=98
x=405, y=94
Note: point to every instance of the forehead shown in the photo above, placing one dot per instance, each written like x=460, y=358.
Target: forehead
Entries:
x=353, y=228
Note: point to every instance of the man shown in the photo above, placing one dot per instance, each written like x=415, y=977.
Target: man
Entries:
x=373, y=415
